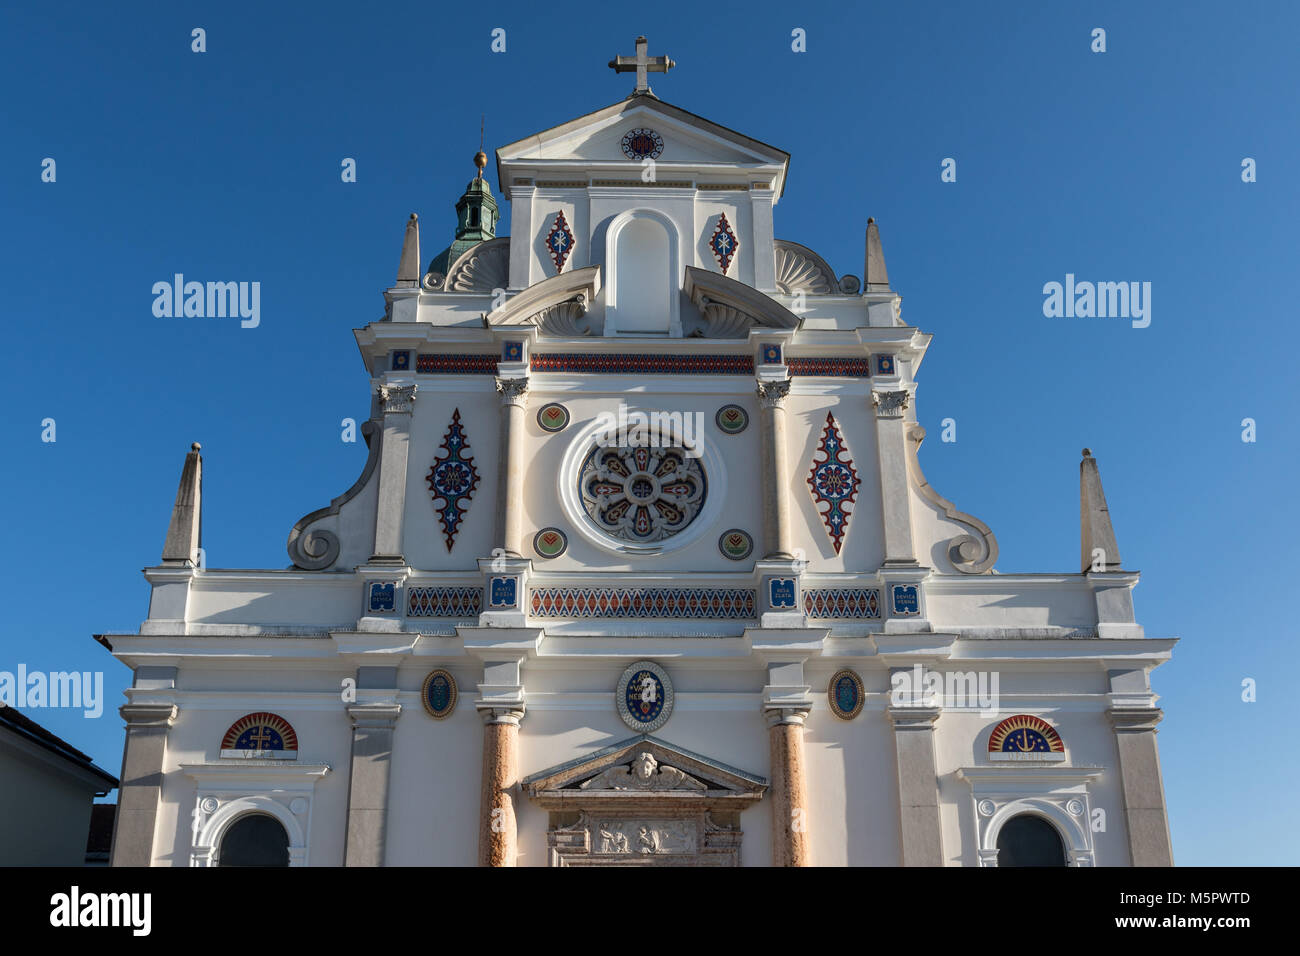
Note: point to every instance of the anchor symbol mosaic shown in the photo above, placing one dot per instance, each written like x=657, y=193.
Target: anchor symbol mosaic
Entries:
x=452, y=479
x=1025, y=734
x=724, y=243
x=834, y=482
x=559, y=241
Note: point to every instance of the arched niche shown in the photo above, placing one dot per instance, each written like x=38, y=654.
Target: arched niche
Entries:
x=642, y=265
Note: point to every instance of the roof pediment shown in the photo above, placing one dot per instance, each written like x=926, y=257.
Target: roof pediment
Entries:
x=594, y=141
x=640, y=770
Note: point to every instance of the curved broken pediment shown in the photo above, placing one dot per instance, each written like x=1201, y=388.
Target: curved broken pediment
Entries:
x=556, y=306
x=731, y=308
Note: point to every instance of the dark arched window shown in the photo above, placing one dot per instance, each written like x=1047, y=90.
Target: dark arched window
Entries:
x=255, y=840
x=1027, y=840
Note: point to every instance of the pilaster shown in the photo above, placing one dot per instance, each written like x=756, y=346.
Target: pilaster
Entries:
x=398, y=403
x=918, y=784
x=895, y=499
x=140, y=781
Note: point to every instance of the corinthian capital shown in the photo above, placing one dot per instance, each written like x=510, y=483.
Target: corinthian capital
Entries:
x=397, y=398
x=890, y=404
x=772, y=394
x=512, y=390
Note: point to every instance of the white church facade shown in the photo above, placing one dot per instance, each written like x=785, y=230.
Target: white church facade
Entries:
x=641, y=569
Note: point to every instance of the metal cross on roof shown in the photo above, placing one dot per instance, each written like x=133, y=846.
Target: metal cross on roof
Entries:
x=643, y=65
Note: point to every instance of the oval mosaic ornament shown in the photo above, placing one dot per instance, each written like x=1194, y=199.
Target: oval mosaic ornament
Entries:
x=731, y=419
x=735, y=544
x=642, y=143
x=845, y=694
x=550, y=542
x=553, y=417
x=645, y=697
x=439, y=694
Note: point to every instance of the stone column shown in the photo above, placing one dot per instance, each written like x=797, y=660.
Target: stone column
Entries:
x=776, y=507
x=891, y=447
x=1142, y=784
x=398, y=403
x=918, y=785
x=509, y=487
x=372, y=751
x=140, y=781
x=790, y=844
x=498, y=834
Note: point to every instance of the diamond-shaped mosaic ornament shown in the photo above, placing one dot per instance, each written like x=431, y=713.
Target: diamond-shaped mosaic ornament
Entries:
x=834, y=482
x=559, y=241
x=724, y=243
x=452, y=479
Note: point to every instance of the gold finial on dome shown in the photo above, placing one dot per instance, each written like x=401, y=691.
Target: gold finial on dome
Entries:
x=480, y=158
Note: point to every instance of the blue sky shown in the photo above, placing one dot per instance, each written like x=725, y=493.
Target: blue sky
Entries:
x=1123, y=165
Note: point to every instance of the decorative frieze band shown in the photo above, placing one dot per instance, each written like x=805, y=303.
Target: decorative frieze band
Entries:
x=474, y=364
x=602, y=363
x=850, y=603
x=710, y=603
x=464, y=602
x=830, y=366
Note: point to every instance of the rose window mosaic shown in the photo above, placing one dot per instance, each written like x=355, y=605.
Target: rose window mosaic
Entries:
x=641, y=494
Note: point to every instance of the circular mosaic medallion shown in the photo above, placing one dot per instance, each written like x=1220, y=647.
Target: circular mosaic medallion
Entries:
x=642, y=144
x=731, y=419
x=735, y=544
x=845, y=693
x=553, y=417
x=439, y=694
x=550, y=542
x=645, y=697
x=641, y=493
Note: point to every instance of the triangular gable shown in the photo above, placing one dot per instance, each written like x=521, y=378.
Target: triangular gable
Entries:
x=596, y=138
x=718, y=779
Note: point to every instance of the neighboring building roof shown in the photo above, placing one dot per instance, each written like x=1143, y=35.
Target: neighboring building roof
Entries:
x=16, y=722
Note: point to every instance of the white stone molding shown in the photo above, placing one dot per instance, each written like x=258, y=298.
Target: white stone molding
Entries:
x=890, y=404
x=225, y=793
x=1059, y=795
x=970, y=554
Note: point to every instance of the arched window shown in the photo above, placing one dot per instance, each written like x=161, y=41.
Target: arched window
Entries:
x=1029, y=840
x=254, y=840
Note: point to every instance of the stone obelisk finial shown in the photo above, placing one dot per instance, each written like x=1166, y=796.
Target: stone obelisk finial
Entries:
x=408, y=270
x=875, y=276
x=184, y=534
x=1099, y=549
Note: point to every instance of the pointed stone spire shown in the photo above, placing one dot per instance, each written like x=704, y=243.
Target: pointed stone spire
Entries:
x=184, y=534
x=1095, y=529
x=408, y=270
x=874, y=273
